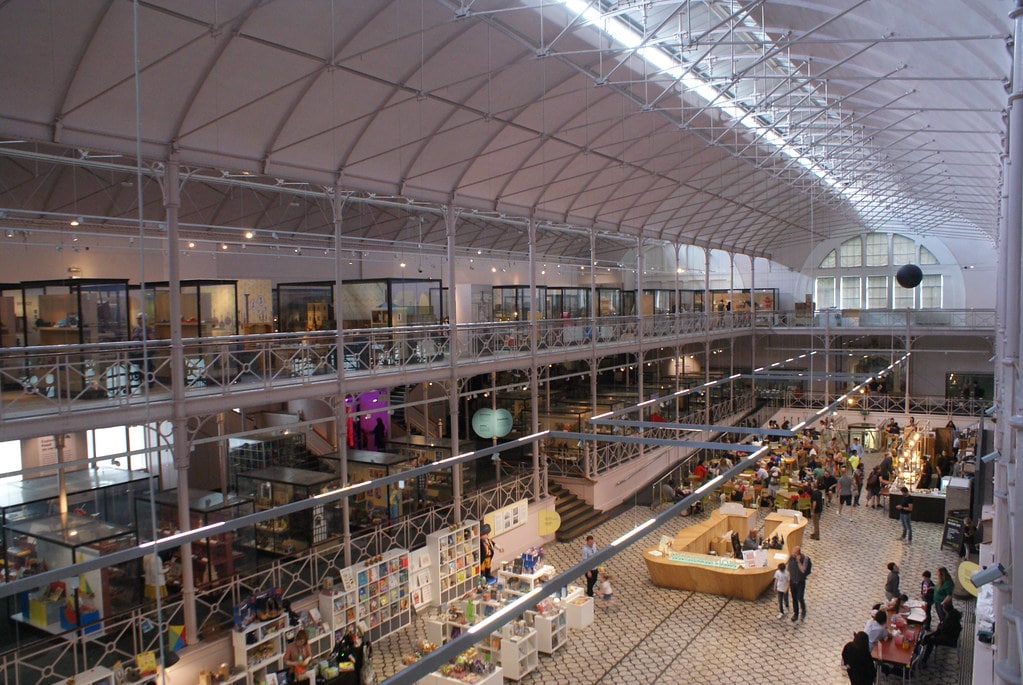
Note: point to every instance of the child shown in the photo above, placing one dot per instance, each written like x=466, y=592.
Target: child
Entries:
x=781, y=586
x=606, y=591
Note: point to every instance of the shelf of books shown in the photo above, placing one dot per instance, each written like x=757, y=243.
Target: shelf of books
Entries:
x=454, y=560
x=259, y=648
x=382, y=586
x=311, y=619
x=337, y=607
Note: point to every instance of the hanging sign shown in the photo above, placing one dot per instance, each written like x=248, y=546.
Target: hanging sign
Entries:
x=492, y=423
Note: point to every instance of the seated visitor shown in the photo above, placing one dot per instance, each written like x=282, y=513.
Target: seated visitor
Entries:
x=947, y=633
x=751, y=541
x=876, y=628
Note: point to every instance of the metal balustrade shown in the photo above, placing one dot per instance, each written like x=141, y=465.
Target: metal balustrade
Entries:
x=42, y=381
x=892, y=404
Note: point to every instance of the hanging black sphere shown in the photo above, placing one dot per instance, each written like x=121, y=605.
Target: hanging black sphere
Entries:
x=909, y=276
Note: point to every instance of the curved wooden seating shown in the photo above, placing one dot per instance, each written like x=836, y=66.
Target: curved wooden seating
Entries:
x=685, y=563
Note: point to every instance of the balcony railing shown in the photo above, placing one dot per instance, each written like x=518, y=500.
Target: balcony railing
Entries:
x=42, y=381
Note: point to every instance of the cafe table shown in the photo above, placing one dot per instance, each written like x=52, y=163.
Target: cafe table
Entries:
x=896, y=651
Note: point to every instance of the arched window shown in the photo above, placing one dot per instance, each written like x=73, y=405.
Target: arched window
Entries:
x=850, y=253
x=867, y=280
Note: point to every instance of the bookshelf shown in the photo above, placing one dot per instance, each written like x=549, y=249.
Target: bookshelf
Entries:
x=454, y=560
x=518, y=651
x=551, y=631
x=337, y=608
x=259, y=648
x=382, y=593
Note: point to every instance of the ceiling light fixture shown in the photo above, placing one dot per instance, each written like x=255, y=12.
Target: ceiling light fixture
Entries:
x=191, y=244
x=223, y=246
x=249, y=235
x=77, y=221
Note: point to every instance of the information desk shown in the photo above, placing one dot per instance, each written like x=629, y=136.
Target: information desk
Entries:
x=928, y=506
x=684, y=563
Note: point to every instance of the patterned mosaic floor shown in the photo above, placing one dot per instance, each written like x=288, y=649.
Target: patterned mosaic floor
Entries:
x=671, y=636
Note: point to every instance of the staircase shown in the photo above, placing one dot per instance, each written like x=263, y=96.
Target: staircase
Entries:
x=577, y=517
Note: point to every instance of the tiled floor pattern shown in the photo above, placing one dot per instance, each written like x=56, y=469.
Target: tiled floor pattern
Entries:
x=660, y=636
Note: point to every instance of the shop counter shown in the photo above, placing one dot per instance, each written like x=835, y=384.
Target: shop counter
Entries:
x=685, y=564
x=928, y=506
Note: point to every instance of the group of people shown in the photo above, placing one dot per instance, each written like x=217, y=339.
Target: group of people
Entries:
x=858, y=654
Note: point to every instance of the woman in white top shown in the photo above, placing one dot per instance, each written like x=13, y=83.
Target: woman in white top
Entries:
x=781, y=586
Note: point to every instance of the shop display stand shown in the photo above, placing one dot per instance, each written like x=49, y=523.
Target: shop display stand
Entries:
x=420, y=580
x=316, y=623
x=337, y=607
x=518, y=653
x=259, y=649
x=383, y=593
x=454, y=560
x=551, y=631
x=579, y=612
x=495, y=678
x=518, y=584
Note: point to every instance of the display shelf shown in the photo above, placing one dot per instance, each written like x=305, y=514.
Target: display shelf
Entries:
x=420, y=580
x=338, y=607
x=259, y=648
x=382, y=587
x=518, y=653
x=518, y=584
x=316, y=625
x=495, y=678
x=579, y=612
x=454, y=560
x=551, y=631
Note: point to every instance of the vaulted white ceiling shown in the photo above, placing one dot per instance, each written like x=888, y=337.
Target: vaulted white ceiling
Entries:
x=760, y=127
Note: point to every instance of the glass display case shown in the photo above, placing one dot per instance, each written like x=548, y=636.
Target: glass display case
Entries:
x=567, y=303
x=609, y=302
x=376, y=303
x=278, y=485
x=658, y=301
x=215, y=558
x=306, y=307
x=99, y=493
x=737, y=300
x=75, y=311
x=388, y=502
x=12, y=319
x=511, y=302
x=209, y=308
x=78, y=602
x=260, y=451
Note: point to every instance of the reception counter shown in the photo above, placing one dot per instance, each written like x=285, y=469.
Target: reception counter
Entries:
x=685, y=564
x=928, y=506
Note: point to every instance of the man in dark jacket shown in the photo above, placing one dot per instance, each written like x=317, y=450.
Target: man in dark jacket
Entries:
x=947, y=633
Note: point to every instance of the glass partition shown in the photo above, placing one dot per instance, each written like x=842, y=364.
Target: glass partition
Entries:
x=75, y=311
x=568, y=303
x=12, y=316
x=305, y=307
x=209, y=308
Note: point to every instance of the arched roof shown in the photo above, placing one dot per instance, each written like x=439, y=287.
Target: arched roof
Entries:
x=757, y=127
